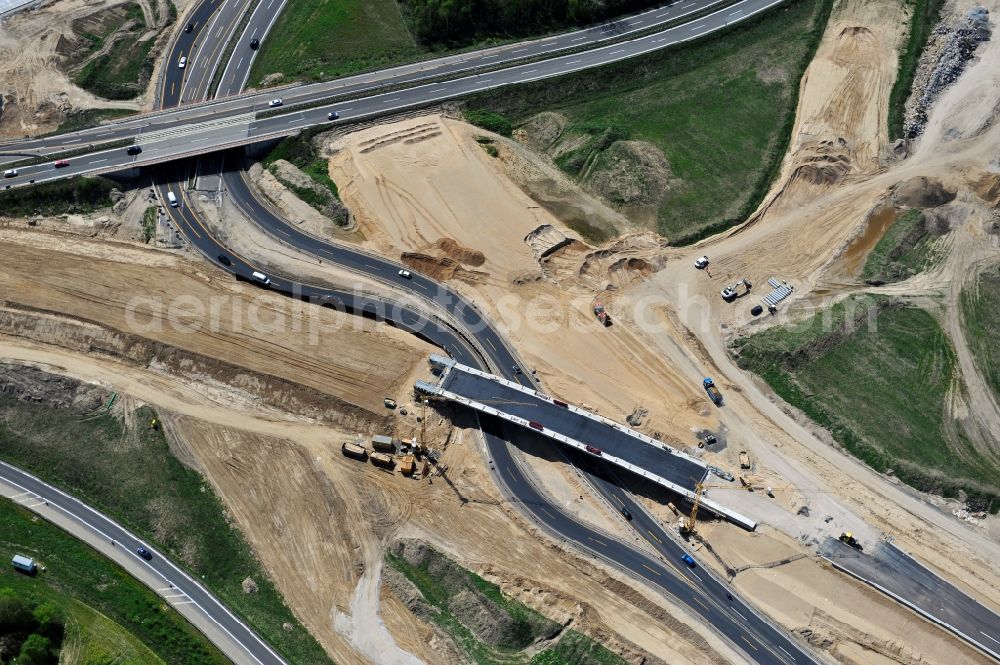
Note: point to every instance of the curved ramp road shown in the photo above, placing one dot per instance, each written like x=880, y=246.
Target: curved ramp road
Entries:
x=233, y=122
x=190, y=598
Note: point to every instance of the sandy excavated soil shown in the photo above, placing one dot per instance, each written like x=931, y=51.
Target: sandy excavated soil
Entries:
x=37, y=95
x=166, y=311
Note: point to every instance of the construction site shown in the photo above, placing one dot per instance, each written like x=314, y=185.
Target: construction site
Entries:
x=622, y=398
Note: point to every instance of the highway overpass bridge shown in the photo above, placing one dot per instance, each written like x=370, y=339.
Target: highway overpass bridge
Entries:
x=575, y=427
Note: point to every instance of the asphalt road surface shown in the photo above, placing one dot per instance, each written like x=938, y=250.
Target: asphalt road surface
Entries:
x=681, y=471
x=196, y=603
x=893, y=571
x=231, y=121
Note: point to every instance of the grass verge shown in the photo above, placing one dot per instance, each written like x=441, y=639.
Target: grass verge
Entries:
x=721, y=110
x=149, y=223
x=442, y=583
x=132, y=476
x=110, y=616
x=90, y=118
x=903, y=251
x=75, y=195
x=878, y=375
x=322, y=39
x=926, y=14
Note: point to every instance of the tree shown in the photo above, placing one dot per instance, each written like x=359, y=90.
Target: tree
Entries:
x=50, y=622
x=36, y=650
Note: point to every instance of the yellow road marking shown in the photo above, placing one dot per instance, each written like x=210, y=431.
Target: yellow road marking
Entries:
x=652, y=570
x=748, y=642
x=653, y=536
x=698, y=600
x=617, y=498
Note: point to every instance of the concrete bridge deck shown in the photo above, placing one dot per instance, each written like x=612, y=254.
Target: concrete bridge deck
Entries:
x=572, y=426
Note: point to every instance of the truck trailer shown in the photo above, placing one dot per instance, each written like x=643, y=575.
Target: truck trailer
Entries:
x=383, y=444
x=382, y=460
x=354, y=450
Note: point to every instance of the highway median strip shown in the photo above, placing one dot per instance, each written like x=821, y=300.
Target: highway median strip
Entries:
x=67, y=154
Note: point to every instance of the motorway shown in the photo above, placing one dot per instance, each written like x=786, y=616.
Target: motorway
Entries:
x=197, y=604
x=235, y=121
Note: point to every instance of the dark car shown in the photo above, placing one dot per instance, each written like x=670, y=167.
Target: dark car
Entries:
x=225, y=260
x=517, y=369
x=594, y=450
x=133, y=150
x=254, y=43
x=626, y=514
x=332, y=115
x=189, y=27
x=144, y=553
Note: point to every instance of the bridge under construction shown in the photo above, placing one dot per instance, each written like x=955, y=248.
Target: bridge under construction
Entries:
x=574, y=427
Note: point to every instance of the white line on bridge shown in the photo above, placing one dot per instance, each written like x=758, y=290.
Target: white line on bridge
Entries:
x=789, y=655
x=98, y=161
x=741, y=616
x=700, y=25
x=989, y=636
x=621, y=50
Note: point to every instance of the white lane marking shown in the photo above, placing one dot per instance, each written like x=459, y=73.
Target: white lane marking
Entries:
x=240, y=63
x=487, y=57
x=738, y=11
x=697, y=27
x=208, y=138
x=621, y=50
x=741, y=616
x=98, y=161
x=789, y=655
x=989, y=636
x=394, y=99
x=518, y=50
x=528, y=71
x=572, y=62
x=183, y=602
x=485, y=80
x=578, y=39
x=696, y=575
x=102, y=134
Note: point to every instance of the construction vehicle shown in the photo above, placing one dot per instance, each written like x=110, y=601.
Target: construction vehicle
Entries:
x=382, y=460
x=688, y=525
x=848, y=539
x=712, y=391
x=354, y=450
x=602, y=315
x=673, y=508
x=408, y=465
x=732, y=292
x=744, y=460
x=389, y=403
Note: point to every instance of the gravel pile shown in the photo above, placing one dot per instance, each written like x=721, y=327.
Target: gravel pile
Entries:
x=951, y=46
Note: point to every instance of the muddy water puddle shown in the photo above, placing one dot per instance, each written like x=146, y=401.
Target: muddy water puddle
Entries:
x=853, y=259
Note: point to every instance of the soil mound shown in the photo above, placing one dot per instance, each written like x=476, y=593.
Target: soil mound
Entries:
x=29, y=384
x=631, y=174
x=462, y=254
x=482, y=614
x=825, y=163
x=987, y=187
x=320, y=198
x=921, y=192
x=543, y=130
x=440, y=268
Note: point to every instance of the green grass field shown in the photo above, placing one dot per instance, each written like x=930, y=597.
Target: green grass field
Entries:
x=981, y=312
x=881, y=391
x=903, y=251
x=133, y=477
x=572, y=648
x=322, y=39
x=111, y=619
x=78, y=195
x=720, y=109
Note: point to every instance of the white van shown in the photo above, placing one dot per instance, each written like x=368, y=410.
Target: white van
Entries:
x=260, y=278
x=172, y=199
